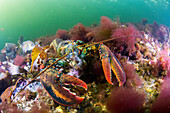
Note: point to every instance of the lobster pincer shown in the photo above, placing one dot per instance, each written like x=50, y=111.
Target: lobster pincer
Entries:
x=54, y=85
x=110, y=62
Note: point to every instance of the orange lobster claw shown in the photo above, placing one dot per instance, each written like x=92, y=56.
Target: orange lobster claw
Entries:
x=60, y=94
x=110, y=62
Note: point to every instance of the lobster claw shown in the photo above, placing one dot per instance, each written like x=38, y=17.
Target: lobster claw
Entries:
x=110, y=62
x=54, y=86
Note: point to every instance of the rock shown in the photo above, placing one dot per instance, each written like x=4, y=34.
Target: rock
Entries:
x=27, y=46
x=10, y=50
x=3, y=75
x=11, y=68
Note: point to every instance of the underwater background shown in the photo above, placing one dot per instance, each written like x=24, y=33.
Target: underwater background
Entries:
x=35, y=18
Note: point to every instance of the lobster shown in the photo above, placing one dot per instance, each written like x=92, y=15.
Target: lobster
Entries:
x=71, y=53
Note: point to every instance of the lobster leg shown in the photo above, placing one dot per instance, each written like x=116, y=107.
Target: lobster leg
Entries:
x=53, y=85
x=110, y=62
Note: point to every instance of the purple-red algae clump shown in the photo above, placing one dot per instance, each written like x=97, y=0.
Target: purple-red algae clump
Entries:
x=164, y=60
x=161, y=66
x=106, y=23
x=45, y=40
x=78, y=32
x=126, y=100
x=63, y=34
x=105, y=29
x=19, y=60
x=126, y=44
x=131, y=75
x=162, y=103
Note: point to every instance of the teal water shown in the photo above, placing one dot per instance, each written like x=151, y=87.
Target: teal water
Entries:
x=35, y=18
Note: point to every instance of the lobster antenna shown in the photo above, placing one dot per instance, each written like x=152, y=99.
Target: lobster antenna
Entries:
x=103, y=41
x=38, y=75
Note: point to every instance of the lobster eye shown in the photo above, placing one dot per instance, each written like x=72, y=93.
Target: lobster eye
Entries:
x=77, y=62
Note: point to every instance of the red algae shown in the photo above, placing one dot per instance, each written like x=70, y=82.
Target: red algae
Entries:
x=78, y=32
x=46, y=40
x=63, y=34
x=126, y=100
x=106, y=23
x=127, y=43
x=131, y=75
x=105, y=29
x=162, y=103
x=19, y=60
x=164, y=60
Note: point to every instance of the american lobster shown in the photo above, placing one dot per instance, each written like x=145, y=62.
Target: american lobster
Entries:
x=53, y=74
